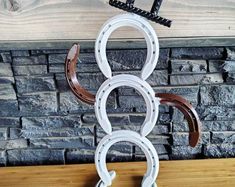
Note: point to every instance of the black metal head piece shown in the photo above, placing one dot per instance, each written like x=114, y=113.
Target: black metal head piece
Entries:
x=152, y=15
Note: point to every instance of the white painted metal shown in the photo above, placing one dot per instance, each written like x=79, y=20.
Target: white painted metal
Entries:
x=130, y=20
x=152, y=103
x=133, y=137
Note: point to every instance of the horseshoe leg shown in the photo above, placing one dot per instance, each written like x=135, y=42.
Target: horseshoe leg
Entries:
x=70, y=73
x=187, y=109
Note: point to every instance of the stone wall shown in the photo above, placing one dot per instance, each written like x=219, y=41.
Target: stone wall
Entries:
x=41, y=122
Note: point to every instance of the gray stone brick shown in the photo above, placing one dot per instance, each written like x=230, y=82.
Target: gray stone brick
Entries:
x=161, y=149
x=7, y=92
x=218, y=95
x=197, y=53
x=81, y=68
x=180, y=138
x=196, y=79
x=131, y=104
x=30, y=70
x=5, y=56
x=63, y=143
x=87, y=58
x=158, y=78
x=230, y=53
x=56, y=68
x=28, y=84
x=91, y=81
x=229, y=66
x=177, y=116
x=216, y=66
x=223, y=125
x=126, y=59
x=160, y=129
x=184, y=127
x=3, y=133
x=20, y=53
x=38, y=103
x=230, y=78
x=35, y=157
x=5, y=70
x=57, y=58
x=78, y=156
x=160, y=139
x=51, y=122
x=15, y=133
x=3, y=158
x=9, y=122
x=188, y=66
x=13, y=144
x=223, y=137
x=8, y=108
x=31, y=60
x=216, y=113
x=49, y=51
x=7, y=80
x=186, y=152
x=143, y=158
x=189, y=93
x=62, y=132
x=134, y=59
x=61, y=83
x=163, y=59
x=69, y=103
x=219, y=151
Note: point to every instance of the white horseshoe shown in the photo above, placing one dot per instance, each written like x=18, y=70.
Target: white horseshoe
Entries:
x=137, y=22
x=133, y=137
x=152, y=103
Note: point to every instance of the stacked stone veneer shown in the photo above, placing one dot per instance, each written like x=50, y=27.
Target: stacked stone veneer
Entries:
x=41, y=121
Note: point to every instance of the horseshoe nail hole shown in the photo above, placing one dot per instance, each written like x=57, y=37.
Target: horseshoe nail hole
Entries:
x=154, y=52
x=100, y=41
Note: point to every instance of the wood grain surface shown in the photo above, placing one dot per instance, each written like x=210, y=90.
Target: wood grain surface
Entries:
x=80, y=20
x=194, y=173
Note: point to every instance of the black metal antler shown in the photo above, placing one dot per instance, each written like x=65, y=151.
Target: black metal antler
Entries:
x=152, y=15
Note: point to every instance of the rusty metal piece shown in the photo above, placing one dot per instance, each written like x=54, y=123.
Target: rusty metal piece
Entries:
x=70, y=73
x=152, y=15
x=187, y=109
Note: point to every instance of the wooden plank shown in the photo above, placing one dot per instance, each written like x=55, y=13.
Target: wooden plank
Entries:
x=54, y=21
x=194, y=173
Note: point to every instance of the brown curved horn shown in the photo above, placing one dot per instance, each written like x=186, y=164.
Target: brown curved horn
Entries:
x=187, y=109
x=70, y=73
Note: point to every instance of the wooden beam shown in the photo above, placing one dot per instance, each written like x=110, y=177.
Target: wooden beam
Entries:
x=193, y=173
x=53, y=21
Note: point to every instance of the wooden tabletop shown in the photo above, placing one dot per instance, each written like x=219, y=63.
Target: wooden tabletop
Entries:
x=194, y=173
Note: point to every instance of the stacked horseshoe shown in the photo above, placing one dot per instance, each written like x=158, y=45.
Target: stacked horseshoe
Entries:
x=152, y=100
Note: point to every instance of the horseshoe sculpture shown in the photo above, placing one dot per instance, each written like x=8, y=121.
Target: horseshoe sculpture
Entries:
x=165, y=98
x=139, y=83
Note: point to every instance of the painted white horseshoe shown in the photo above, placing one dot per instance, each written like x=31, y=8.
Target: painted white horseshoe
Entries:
x=127, y=136
x=152, y=103
x=137, y=22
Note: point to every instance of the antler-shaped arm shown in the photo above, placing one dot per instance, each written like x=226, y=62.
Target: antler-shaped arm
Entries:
x=70, y=73
x=187, y=109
